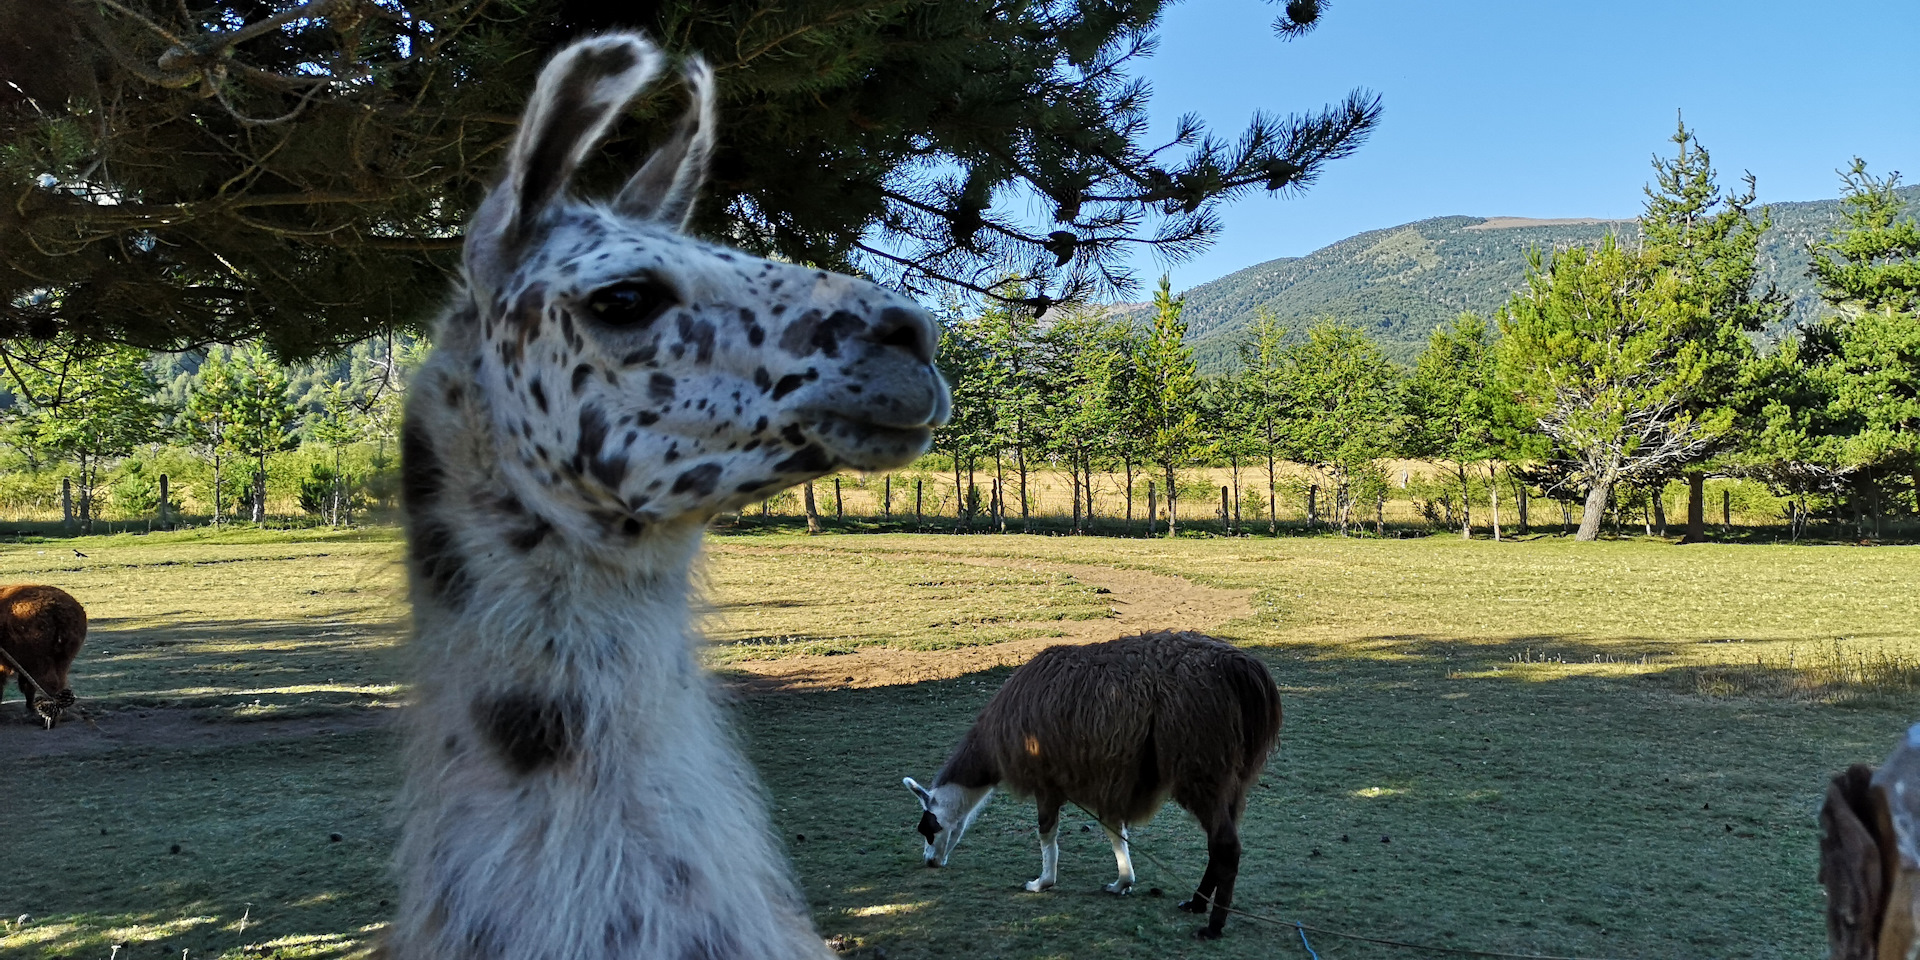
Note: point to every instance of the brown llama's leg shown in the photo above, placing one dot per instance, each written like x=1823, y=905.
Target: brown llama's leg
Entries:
x=1215, y=893
x=1049, y=844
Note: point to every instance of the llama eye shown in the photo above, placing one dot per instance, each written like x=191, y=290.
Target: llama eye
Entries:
x=633, y=303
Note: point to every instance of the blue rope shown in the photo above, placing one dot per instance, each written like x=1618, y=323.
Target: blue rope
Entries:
x=1303, y=940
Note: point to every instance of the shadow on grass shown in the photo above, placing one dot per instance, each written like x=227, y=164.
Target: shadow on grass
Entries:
x=1531, y=796
x=237, y=667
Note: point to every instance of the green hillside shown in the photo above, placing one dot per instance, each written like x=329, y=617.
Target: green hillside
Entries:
x=1399, y=283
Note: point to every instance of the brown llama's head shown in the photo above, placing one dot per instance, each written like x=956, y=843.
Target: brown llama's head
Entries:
x=636, y=376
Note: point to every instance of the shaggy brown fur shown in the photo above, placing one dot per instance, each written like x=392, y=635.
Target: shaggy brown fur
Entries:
x=42, y=629
x=1121, y=726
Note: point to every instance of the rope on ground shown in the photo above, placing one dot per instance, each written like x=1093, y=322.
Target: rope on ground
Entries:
x=1302, y=928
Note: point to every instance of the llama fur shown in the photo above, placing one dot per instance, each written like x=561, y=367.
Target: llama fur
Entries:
x=601, y=387
x=42, y=629
x=1118, y=728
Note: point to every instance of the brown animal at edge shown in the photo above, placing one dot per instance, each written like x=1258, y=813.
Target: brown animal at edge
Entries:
x=1870, y=857
x=41, y=629
x=1119, y=728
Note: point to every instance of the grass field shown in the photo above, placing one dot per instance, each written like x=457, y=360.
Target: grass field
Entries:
x=1596, y=750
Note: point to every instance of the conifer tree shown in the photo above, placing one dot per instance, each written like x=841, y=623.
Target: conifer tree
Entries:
x=337, y=148
x=1167, y=399
x=262, y=418
x=1709, y=239
x=1451, y=400
x=1595, y=352
x=1344, y=411
x=89, y=406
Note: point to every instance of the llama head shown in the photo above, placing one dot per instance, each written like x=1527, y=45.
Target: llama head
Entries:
x=634, y=376
x=946, y=811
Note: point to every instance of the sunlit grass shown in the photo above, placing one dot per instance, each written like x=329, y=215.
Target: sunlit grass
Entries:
x=1559, y=742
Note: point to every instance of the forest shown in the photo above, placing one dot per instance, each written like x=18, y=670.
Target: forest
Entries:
x=1618, y=369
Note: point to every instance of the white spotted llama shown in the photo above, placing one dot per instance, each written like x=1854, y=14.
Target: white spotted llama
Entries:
x=601, y=387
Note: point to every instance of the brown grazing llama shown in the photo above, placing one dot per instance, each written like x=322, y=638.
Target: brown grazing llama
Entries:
x=1118, y=728
x=41, y=630
x=601, y=387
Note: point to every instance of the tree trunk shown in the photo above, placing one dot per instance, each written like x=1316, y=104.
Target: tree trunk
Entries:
x=217, y=493
x=1020, y=462
x=1520, y=494
x=813, y=515
x=999, y=485
x=1596, y=511
x=66, y=501
x=1273, y=497
x=1234, y=531
x=1660, y=509
x=1073, y=476
x=1696, y=507
x=1313, y=505
x=1466, y=512
x=1493, y=496
x=959, y=494
x=260, y=491
x=1128, y=464
x=165, y=509
x=1173, y=500
x=1153, y=508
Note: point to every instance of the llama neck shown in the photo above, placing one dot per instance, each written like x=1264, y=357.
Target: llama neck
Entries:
x=971, y=766
x=571, y=789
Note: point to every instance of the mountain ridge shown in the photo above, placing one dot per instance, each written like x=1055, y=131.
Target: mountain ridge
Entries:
x=1398, y=283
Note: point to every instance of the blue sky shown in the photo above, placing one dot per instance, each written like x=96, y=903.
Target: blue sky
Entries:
x=1544, y=108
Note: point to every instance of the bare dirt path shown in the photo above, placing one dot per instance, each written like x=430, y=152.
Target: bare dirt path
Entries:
x=1140, y=601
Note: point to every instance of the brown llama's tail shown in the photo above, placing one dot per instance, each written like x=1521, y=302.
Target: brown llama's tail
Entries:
x=1259, y=701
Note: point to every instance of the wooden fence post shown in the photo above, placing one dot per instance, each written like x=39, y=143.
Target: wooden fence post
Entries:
x=886, y=502
x=916, y=503
x=1726, y=510
x=1226, y=528
x=839, y=511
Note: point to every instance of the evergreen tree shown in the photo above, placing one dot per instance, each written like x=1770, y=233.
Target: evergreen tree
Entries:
x=338, y=147
x=89, y=407
x=1263, y=362
x=263, y=417
x=1451, y=401
x=1710, y=241
x=209, y=420
x=1595, y=352
x=1167, y=400
x=338, y=423
x=1344, y=412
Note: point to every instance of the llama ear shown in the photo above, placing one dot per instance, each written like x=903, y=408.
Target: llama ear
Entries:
x=926, y=798
x=579, y=94
x=669, y=182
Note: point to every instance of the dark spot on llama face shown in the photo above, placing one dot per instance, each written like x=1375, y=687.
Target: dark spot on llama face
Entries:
x=646, y=418
x=581, y=374
x=797, y=339
x=788, y=384
x=701, y=479
x=762, y=379
x=699, y=333
x=642, y=355
x=837, y=327
x=591, y=456
x=632, y=526
x=792, y=435
x=421, y=475
x=660, y=388
x=529, y=731
x=929, y=825
x=538, y=392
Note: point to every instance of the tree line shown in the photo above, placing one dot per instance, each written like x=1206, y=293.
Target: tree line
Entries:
x=1618, y=367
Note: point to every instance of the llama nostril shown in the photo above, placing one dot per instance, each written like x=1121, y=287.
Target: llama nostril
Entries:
x=931, y=862
x=910, y=330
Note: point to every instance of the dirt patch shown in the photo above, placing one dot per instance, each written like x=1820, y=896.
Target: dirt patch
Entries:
x=169, y=729
x=1140, y=601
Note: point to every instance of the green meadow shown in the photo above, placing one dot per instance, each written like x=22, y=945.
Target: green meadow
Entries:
x=1613, y=749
